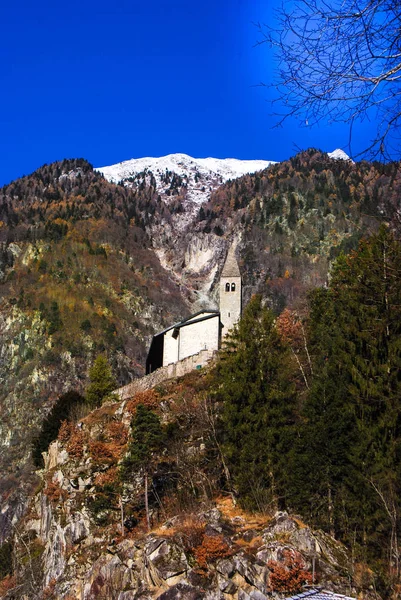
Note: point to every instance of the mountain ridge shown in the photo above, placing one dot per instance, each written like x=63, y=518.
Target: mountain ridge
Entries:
x=181, y=163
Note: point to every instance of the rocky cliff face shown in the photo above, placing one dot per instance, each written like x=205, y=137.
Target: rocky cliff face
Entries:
x=84, y=538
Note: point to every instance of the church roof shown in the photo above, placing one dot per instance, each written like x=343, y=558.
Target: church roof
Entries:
x=201, y=315
x=318, y=594
x=231, y=268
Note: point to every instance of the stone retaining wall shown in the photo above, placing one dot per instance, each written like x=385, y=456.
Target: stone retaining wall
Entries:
x=177, y=369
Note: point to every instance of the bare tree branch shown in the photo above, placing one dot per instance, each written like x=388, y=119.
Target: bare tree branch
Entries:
x=340, y=61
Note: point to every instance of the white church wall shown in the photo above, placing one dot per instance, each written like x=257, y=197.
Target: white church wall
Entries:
x=195, y=337
x=170, y=350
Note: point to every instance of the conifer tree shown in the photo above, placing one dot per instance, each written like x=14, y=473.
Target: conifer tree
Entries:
x=147, y=438
x=320, y=457
x=102, y=382
x=253, y=382
x=348, y=460
x=368, y=293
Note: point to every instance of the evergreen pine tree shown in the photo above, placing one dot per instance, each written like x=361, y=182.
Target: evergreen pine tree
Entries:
x=367, y=286
x=320, y=457
x=102, y=382
x=348, y=460
x=253, y=382
x=147, y=438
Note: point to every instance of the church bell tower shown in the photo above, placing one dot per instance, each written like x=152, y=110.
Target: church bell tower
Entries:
x=230, y=293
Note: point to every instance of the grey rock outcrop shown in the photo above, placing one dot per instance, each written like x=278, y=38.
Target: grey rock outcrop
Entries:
x=214, y=554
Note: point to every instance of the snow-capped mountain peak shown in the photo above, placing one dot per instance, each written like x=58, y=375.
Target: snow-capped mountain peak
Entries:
x=184, y=165
x=339, y=154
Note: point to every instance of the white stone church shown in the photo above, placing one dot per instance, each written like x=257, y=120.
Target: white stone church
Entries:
x=205, y=329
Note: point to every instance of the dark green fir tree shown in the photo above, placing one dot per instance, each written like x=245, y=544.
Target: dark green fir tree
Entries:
x=147, y=437
x=347, y=467
x=102, y=382
x=253, y=382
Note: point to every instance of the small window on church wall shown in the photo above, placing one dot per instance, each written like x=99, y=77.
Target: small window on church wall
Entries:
x=233, y=287
x=227, y=287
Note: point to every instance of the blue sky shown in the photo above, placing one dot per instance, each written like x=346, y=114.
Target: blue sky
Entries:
x=109, y=81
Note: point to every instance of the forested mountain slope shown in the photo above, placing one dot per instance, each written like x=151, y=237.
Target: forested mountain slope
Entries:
x=77, y=279
x=298, y=215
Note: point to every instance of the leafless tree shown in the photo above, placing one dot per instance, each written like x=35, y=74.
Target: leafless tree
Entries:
x=388, y=501
x=340, y=60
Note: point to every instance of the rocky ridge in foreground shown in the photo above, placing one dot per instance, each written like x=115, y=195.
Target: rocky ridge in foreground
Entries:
x=72, y=544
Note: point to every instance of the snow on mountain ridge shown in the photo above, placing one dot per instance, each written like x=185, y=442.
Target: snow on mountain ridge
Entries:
x=182, y=164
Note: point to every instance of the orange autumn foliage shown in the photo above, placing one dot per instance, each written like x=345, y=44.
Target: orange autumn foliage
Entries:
x=149, y=398
x=117, y=433
x=205, y=548
x=289, y=327
x=101, y=453
x=112, y=446
x=212, y=548
x=54, y=492
x=289, y=575
x=107, y=478
x=73, y=438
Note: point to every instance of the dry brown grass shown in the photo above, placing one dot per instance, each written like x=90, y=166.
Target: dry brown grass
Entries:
x=191, y=525
x=243, y=519
x=186, y=525
x=363, y=576
x=253, y=544
x=300, y=523
x=102, y=414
